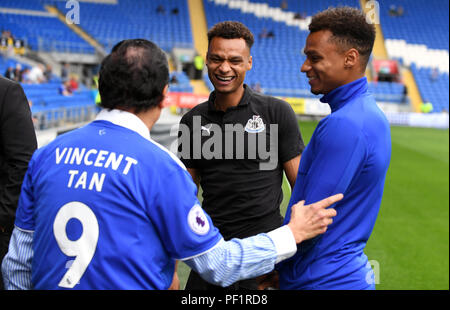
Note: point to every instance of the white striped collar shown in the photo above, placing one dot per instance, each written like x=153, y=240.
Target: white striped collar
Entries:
x=125, y=119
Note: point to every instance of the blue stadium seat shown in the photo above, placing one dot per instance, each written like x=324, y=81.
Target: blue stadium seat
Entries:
x=183, y=85
x=111, y=23
x=423, y=22
x=22, y=4
x=44, y=33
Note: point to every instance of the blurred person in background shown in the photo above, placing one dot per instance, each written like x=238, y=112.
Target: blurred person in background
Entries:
x=25, y=76
x=73, y=83
x=36, y=74
x=65, y=71
x=65, y=89
x=9, y=73
x=48, y=73
x=18, y=73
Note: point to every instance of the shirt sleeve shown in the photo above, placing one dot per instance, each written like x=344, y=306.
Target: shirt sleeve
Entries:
x=16, y=266
x=240, y=259
x=185, y=229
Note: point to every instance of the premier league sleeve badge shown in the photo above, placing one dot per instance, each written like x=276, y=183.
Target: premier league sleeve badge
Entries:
x=197, y=220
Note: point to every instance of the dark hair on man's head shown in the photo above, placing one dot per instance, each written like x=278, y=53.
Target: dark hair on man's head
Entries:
x=133, y=76
x=231, y=30
x=349, y=28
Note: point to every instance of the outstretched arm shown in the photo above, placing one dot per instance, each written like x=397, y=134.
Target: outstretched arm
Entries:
x=239, y=259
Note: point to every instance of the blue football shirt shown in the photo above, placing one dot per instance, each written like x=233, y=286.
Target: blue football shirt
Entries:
x=110, y=209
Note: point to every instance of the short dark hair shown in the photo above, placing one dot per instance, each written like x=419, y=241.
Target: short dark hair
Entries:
x=231, y=30
x=349, y=28
x=133, y=76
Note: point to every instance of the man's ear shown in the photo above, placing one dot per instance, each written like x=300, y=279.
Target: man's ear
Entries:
x=165, y=90
x=207, y=59
x=250, y=63
x=351, y=58
x=164, y=93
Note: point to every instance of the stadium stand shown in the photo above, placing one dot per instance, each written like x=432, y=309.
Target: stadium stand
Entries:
x=107, y=23
x=433, y=89
x=388, y=91
x=182, y=84
x=419, y=38
x=51, y=109
x=22, y=4
x=7, y=62
x=40, y=30
x=48, y=106
x=111, y=23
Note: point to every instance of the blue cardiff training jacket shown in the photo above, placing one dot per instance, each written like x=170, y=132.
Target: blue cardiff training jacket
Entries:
x=349, y=153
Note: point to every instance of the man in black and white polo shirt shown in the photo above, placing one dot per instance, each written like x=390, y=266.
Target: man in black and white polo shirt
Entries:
x=237, y=145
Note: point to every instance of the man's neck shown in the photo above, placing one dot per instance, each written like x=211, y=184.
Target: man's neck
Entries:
x=148, y=117
x=355, y=76
x=223, y=101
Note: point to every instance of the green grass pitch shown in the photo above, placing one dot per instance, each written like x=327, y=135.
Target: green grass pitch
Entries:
x=410, y=241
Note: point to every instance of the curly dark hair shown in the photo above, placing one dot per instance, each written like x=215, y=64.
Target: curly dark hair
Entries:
x=133, y=76
x=231, y=30
x=349, y=28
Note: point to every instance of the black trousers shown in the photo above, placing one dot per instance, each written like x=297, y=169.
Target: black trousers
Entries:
x=4, y=243
x=195, y=282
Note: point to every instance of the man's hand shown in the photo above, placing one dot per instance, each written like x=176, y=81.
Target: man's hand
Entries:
x=175, y=282
x=311, y=220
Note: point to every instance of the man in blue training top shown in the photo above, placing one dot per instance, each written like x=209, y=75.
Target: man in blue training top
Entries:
x=106, y=207
x=349, y=153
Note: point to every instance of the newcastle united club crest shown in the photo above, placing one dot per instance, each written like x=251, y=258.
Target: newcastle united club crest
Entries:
x=255, y=125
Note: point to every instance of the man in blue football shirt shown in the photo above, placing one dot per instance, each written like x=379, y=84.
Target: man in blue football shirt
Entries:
x=348, y=153
x=105, y=207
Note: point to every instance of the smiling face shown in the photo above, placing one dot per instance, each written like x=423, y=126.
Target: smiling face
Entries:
x=325, y=65
x=227, y=61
